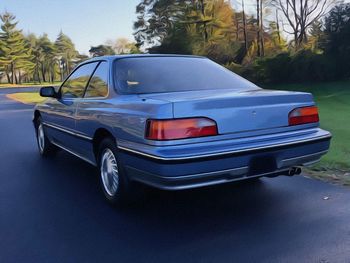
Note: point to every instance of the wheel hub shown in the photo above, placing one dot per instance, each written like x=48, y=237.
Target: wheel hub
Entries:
x=41, y=138
x=109, y=172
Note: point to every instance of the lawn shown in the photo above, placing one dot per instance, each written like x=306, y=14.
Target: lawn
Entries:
x=333, y=99
x=29, y=85
x=26, y=97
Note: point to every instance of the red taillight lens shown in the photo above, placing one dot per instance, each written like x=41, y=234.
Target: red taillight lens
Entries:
x=303, y=115
x=180, y=128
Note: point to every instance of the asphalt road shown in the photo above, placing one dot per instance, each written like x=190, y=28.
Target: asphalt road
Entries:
x=51, y=210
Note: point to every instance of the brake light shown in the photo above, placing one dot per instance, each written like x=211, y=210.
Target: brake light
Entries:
x=180, y=128
x=303, y=115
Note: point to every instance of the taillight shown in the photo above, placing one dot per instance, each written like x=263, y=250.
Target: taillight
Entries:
x=303, y=115
x=180, y=128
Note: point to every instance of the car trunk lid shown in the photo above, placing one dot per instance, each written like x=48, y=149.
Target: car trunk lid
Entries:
x=236, y=111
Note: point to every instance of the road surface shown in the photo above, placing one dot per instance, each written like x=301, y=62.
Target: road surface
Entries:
x=51, y=210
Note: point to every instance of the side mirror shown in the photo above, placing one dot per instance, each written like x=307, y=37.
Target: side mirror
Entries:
x=48, y=92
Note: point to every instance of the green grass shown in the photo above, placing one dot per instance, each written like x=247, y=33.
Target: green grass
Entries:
x=26, y=97
x=333, y=100
x=29, y=84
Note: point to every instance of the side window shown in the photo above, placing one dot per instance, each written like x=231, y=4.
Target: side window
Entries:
x=98, y=85
x=75, y=85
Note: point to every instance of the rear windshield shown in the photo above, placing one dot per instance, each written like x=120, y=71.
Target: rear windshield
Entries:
x=169, y=74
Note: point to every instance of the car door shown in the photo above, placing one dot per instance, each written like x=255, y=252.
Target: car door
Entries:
x=60, y=118
x=89, y=114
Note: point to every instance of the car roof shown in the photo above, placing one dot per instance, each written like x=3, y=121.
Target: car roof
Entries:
x=114, y=57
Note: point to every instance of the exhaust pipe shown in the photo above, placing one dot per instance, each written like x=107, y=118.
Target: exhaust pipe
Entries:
x=291, y=171
x=294, y=171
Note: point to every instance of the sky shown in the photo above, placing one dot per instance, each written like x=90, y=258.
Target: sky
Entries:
x=86, y=22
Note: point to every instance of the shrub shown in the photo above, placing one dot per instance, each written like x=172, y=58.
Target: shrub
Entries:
x=304, y=66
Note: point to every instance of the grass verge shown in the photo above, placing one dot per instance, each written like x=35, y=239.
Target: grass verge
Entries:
x=333, y=100
x=26, y=97
x=29, y=85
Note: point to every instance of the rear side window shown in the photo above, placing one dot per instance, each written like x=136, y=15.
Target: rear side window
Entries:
x=75, y=85
x=169, y=74
x=98, y=85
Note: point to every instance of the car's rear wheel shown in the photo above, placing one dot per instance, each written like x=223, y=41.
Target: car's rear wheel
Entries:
x=46, y=148
x=114, y=182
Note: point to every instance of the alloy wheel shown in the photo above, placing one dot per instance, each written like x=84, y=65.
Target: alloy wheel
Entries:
x=109, y=172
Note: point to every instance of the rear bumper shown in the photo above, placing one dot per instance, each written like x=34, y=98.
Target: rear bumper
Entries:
x=238, y=164
x=197, y=180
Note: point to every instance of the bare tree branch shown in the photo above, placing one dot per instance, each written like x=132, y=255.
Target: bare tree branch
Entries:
x=300, y=14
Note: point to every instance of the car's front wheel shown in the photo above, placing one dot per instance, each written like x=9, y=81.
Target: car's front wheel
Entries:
x=113, y=181
x=45, y=147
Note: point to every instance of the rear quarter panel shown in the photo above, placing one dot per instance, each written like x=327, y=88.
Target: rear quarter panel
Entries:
x=124, y=116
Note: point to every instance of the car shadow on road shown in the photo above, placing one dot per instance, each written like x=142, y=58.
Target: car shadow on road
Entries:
x=63, y=203
x=222, y=204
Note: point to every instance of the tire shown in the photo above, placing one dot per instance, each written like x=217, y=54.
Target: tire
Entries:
x=113, y=180
x=45, y=147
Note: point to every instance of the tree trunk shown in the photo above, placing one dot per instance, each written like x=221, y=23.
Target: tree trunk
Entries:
x=52, y=74
x=8, y=77
x=16, y=78
x=19, y=77
x=205, y=23
x=262, y=29
x=296, y=44
x=244, y=29
x=38, y=75
x=12, y=73
x=67, y=67
x=258, y=27
x=59, y=66
x=237, y=28
x=278, y=28
x=43, y=73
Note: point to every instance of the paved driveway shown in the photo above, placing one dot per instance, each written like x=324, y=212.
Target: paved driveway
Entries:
x=51, y=210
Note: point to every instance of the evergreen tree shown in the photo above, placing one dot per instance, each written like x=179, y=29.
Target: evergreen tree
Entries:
x=316, y=37
x=36, y=56
x=67, y=53
x=14, y=53
x=101, y=50
x=48, y=58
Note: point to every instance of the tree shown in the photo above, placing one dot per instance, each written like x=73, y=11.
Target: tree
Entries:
x=67, y=53
x=123, y=46
x=13, y=51
x=258, y=31
x=36, y=56
x=337, y=31
x=156, y=19
x=246, y=35
x=316, y=37
x=300, y=15
x=101, y=50
x=275, y=43
x=262, y=32
x=244, y=28
x=26, y=66
x=192, y=27
x=48, y=58
x=211, y=30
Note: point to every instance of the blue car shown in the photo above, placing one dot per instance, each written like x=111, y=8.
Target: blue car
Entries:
x=176, y=122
